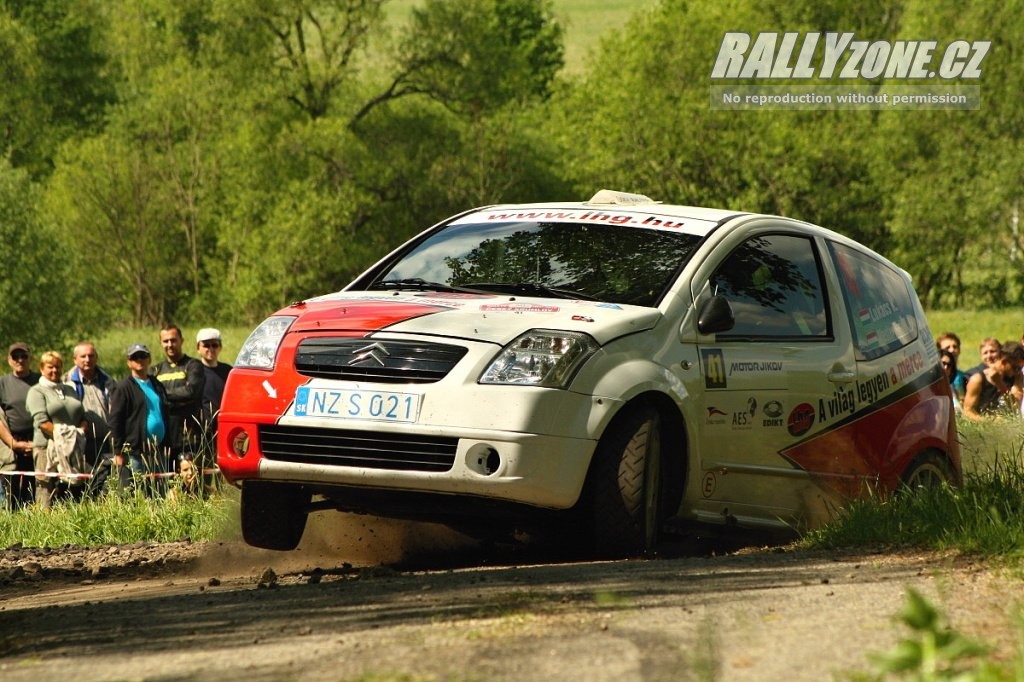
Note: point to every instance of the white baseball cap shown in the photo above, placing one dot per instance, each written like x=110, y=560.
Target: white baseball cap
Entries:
x=208, y=334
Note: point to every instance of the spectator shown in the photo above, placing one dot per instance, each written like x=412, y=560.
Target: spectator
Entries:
x=990, y=349
x=13, y=392
x=6, y=462
x=985, y=389
x=1014, y=352
x=92, y=386
x=183, y=380
x=208, y=347
x=948, y=362
x=950, y=342
x=138, y=418
x=58, y=444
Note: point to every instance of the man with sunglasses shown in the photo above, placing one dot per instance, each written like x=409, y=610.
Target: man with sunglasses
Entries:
x=13, y=392
x=208, y=347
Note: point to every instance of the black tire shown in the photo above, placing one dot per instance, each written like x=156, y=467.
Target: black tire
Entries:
x=274, y=514
x=928, y=470
x=626, y=481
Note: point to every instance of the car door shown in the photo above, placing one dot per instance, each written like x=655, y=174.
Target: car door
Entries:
x=780, y=373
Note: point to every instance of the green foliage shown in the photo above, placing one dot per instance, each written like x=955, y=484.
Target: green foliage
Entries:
x=953, y=177
x=983, y=516
x=219, y=158
x=934, y=651
x=36, y=296
x=478, y=55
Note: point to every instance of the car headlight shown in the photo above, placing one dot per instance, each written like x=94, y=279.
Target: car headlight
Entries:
x=260, y=349
x=540, y=357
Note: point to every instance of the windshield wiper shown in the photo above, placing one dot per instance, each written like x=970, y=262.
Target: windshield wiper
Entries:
x=419, y=284
x=533, y=289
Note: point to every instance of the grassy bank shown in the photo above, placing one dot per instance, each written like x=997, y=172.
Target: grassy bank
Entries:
x=123, y=520
x=983, y=517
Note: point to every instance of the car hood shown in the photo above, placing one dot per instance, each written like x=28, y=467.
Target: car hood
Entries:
x=496, y=319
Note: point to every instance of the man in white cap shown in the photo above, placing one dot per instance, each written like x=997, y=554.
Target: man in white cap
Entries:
x=208, y=347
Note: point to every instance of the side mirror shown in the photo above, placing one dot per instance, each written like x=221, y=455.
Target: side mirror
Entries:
x=715, y=316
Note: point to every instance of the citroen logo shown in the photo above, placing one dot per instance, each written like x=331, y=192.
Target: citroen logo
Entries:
x=375, y=352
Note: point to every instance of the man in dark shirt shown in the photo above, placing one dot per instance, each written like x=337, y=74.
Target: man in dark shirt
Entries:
x=183, y=380
x=208, y=347
x=13, y=391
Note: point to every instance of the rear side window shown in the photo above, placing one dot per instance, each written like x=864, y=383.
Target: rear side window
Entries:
x=773, y=283
x=879, y=303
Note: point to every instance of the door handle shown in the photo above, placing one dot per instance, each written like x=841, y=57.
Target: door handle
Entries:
x=841, y=375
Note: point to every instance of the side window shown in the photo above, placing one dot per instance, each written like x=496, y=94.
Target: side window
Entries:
x=879, y=303
x=774, y=285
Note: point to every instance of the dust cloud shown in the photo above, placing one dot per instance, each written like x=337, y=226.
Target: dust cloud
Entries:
x=333, y=539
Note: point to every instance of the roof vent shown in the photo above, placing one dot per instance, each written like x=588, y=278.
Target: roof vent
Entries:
x=610, y=196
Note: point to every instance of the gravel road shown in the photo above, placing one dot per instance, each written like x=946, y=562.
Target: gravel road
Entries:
x=223, y=611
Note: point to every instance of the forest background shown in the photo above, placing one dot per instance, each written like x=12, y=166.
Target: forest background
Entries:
x=208, y=161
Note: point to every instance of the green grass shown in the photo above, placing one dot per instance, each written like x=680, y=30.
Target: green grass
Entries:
x=983, y=517
x=1005, y=324
x=123, y=520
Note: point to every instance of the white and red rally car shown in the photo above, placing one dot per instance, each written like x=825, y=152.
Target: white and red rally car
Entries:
x=615, y=364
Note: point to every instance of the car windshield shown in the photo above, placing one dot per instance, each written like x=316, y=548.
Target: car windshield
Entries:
x=613, y=263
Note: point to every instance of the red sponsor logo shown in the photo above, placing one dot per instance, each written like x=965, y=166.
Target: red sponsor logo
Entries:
x=519, y=308
x=801, y=419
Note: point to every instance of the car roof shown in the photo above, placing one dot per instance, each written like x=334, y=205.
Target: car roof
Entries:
x=611, y=199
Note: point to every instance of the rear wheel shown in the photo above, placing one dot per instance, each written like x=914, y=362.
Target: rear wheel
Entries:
x=627, y=486
x=274, y=514
x=928, y=470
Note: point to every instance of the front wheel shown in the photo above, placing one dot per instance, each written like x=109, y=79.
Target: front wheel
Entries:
x=274, y=514
x=626, y=485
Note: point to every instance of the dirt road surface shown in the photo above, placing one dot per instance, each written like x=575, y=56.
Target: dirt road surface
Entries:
x=375, y=600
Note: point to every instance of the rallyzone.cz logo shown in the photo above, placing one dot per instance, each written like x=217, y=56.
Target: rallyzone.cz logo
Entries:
x=776, y=56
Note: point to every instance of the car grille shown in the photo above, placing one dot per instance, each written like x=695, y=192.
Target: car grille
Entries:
x=406, y=362
x=369, y=449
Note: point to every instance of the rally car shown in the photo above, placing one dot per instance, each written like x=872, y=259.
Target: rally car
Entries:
x=607, y=369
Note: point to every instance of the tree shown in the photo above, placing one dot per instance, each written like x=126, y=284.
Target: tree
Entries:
x=303, y=49
x=640, y=120
x=952, y=179
x=108, y=198
x=23, y=110
x=476, y=56
x=37, y=298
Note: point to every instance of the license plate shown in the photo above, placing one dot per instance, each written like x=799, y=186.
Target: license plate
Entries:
x=353, y=404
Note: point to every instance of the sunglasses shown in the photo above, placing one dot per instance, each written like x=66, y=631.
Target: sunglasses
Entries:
x=139, y=357
x=210, y=344
x=19, y=355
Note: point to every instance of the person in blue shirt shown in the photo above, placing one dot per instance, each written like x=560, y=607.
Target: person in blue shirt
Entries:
x=138, y=419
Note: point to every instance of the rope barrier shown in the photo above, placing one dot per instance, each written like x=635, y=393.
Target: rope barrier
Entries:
x=54, y=474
